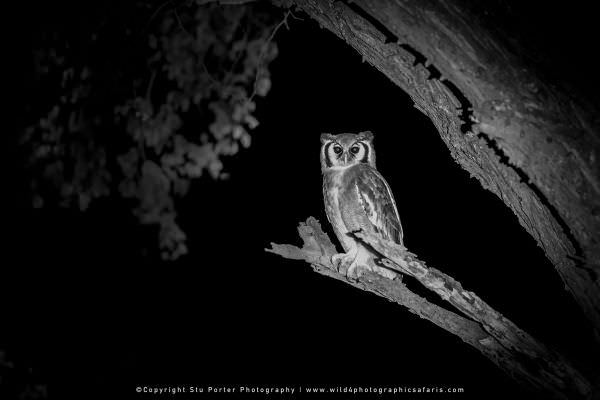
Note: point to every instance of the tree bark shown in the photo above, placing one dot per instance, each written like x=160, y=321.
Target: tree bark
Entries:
x=511, y=349
x=531, y=145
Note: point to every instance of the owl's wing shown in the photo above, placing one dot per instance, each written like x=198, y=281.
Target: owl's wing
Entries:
x=377, y=201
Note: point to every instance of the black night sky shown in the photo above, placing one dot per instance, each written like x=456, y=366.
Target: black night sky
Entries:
x=83, y=306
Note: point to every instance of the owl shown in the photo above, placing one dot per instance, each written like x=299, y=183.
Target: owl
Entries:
x=357, y=198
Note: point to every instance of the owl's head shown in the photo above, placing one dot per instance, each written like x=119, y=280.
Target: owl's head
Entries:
x=346, y=150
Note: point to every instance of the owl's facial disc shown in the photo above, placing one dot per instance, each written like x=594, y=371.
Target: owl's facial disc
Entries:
x=346, y=154
x=346, y=150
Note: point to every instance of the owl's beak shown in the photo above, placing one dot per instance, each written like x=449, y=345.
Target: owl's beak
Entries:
x=345, y=158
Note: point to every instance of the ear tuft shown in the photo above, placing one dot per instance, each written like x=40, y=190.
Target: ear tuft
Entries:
x=326, y=136
x=367, y=135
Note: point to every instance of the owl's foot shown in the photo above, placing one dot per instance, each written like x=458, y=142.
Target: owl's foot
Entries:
x=345, y=263
x=354, y=265
x=350, y=264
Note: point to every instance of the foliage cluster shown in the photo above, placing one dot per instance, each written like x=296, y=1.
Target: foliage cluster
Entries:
x=141, y=114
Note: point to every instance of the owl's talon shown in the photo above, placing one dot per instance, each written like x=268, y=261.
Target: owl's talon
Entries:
x=350, y=265
x=347, y=264
x=336, y=260
x=344, y=263
x=354, y=272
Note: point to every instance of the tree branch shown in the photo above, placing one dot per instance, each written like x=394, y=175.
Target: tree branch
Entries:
x=511, y=349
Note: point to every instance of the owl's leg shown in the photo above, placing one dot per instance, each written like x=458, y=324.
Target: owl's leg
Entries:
x=345, y=261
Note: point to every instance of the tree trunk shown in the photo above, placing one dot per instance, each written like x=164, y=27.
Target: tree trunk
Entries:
x=528, y=143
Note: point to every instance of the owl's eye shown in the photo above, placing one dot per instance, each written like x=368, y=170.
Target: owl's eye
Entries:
x=355, y=149
x=337, y=149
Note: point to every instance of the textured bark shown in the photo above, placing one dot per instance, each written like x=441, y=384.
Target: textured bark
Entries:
x=513, y=350
x=532, y=146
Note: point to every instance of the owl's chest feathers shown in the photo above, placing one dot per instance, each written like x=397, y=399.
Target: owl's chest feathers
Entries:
x=332, y=186
x=336, y=186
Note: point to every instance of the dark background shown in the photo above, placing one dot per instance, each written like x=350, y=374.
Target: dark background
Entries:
x=80, y=302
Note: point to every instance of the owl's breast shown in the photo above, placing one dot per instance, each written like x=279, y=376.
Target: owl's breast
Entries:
x=334, y=197
x=351, y=209
x=343, y=208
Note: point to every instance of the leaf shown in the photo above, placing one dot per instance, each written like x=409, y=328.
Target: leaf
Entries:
x=263, y=86
x=246, y=140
